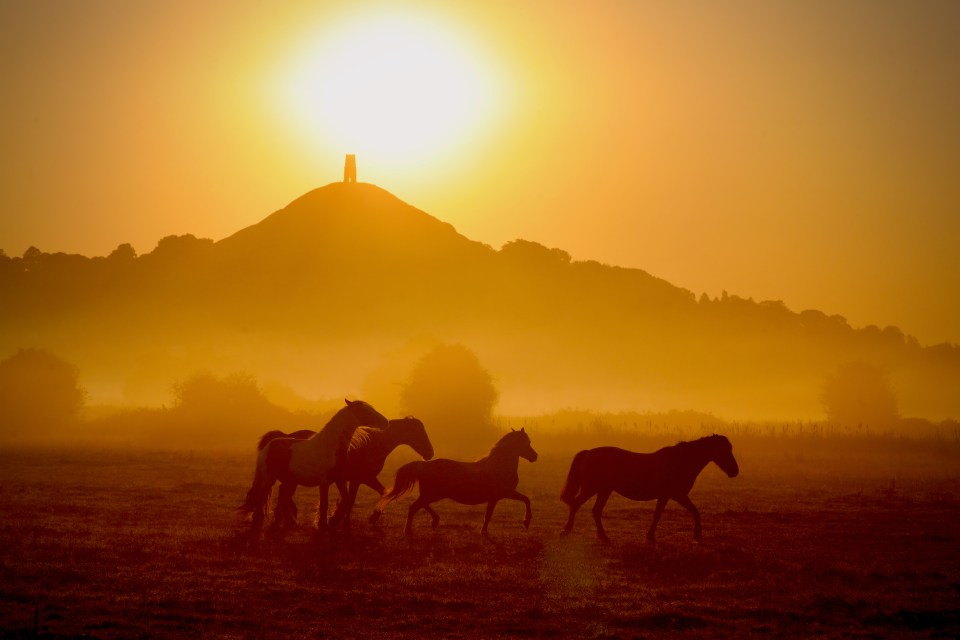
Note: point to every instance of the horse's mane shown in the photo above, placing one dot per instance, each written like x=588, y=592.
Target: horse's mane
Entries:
x=502, y=442
x=363, y=437
x=689, y=443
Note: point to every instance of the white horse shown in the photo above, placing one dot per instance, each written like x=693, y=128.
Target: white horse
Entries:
x=307, y=462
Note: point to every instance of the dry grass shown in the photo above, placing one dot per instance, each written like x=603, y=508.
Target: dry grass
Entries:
x=806, y=542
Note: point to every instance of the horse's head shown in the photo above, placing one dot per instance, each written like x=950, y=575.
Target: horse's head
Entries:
x=412, y=433
x=519, y=443
x=365, y=415
x=723, y=455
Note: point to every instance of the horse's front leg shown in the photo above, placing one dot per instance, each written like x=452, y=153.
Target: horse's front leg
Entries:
x=528, y=516
x=598, y=506
x=651, y=534
x=487, y=516
x=435, y=517
x=688, y=505
x=345, y=508
x=344, y=504
x=323, y=505
x=376, y=485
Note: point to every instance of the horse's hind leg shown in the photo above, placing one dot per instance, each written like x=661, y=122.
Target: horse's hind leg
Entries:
x=598, y=506
x=575, y=505
x=285, y=513
x=418, y=504
x=651, y=534
x=689, y=506
x=260, y=510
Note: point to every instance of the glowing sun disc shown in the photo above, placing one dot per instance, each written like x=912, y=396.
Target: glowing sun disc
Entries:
x=392, y=87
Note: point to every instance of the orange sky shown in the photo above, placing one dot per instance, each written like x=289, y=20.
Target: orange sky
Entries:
x=803, y=151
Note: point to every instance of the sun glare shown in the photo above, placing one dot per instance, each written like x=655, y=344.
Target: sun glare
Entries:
x=393, y=88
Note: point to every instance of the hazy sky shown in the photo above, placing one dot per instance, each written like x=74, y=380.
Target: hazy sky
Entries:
x=802, y=151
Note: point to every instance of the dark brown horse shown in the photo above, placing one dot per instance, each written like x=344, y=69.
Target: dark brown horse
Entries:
x=366, y=455
x=667, y=474
x=490, y=479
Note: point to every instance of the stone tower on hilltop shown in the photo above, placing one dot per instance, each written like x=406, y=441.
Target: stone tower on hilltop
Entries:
x=350, y=168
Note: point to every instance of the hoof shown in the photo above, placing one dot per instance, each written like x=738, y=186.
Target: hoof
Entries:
x=564, y=533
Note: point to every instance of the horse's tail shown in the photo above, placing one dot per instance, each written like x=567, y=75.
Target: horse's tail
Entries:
x=574, y=478
x=250, y=502
x=256, y=497
x=407, y=476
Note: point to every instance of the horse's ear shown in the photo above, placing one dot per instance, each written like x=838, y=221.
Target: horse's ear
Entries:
x=348, y=402
x=522, y=429
x=512, y=430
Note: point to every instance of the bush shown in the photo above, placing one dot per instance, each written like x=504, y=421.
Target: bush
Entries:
x=454, y=396
x=859, y=394
x=39, y=393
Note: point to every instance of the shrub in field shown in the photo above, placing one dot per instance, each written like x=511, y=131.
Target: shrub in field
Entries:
x=39, y=392
x=206, y=405
x=860, y=394
x=451, y=392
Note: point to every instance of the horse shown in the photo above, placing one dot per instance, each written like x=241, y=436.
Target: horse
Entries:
x=309, y=461
x=489, y=479
x=366, y=455
x=666, y=474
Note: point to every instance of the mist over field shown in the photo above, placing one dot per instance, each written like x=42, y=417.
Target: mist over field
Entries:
x=347, y=289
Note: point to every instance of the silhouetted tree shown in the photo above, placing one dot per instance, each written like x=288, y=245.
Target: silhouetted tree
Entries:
x=234, y=404
x=860, y=394
x=454, y=396
x=38, y=392
x=178, y=247
x=124, y=251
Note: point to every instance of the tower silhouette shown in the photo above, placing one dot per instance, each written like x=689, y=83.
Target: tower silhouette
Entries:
x=350, y=168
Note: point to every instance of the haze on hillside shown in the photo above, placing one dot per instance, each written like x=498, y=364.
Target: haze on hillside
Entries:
x=342, y=291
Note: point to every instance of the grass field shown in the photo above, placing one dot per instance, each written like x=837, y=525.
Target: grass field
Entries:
x=816, y=538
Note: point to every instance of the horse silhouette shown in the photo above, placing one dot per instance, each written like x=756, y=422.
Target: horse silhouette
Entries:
x=309, y=461
x=666, y=474
x=366, y=455
x=489, y=479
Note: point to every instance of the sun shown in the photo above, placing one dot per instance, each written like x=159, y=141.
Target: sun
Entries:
x=395, y=88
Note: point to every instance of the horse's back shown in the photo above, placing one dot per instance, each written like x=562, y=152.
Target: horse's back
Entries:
x=270, y=436
x=638, y=476
x=464, y=482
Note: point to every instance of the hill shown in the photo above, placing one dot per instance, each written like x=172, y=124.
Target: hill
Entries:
x=344, y=288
